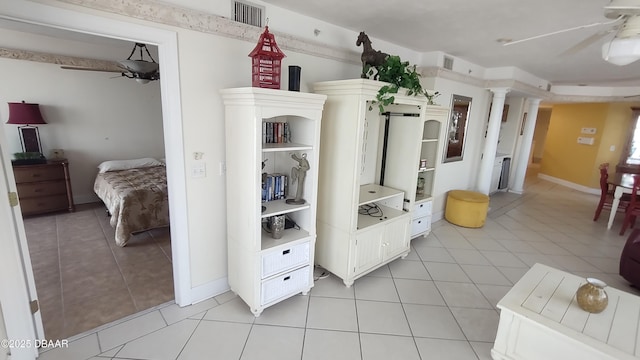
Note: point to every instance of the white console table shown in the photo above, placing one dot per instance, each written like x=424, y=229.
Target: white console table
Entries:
x=540, y=319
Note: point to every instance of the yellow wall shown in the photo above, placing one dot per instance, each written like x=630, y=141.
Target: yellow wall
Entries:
x=565, y=159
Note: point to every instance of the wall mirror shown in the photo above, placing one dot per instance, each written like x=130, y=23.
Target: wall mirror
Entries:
x=456, y=129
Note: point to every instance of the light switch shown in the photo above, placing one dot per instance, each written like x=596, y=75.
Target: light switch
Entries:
x=612, y=148
x=590, y=131
x=198, y=169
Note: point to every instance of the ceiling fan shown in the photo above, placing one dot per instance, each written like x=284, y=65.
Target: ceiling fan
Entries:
x=623, y=49
x=143, y=71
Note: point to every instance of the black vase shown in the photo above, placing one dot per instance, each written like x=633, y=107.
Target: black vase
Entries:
x=294, y=77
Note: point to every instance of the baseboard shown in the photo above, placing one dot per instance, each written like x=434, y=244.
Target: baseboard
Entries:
x=209, y=290
x=570, y=185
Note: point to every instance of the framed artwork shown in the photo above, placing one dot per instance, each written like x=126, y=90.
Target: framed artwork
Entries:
x=456, y=129
x=30, y=139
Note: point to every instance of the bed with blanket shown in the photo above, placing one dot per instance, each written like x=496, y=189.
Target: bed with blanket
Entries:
x=135, y=194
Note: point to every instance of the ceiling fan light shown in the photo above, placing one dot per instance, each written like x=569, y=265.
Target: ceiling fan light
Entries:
x=142, y=81
x=621, y=51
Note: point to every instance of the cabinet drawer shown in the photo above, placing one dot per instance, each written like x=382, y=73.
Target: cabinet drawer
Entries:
x=283, y=259
x=43, y=204
x=287, y=284
x=421, y=209
x=38, y=173
x=44, y=188
x=420, y=225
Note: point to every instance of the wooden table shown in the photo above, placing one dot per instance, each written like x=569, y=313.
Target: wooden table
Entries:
x=624, y=184
x=540, y=319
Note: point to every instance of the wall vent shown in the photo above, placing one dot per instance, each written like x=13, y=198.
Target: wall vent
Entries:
x=247, y=13
x=448, y=63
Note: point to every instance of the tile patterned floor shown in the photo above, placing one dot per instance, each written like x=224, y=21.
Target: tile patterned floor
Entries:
x=85, y=280
x=438, y=303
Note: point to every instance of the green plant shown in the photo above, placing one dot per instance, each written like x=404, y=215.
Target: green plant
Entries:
x=399, y=74
x=27, y=155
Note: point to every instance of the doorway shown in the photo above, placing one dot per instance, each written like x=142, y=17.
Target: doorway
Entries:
x=166, y=41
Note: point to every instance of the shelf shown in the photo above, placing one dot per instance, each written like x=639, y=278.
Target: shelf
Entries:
x=365, y=221
x=279, y=207
x=274, y=147
x=426, y=170
x=373, y=192
x=288, y=236
x=421, y=198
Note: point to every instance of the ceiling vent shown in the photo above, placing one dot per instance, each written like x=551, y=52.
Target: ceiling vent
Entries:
x=448, y=63
x=248, y=13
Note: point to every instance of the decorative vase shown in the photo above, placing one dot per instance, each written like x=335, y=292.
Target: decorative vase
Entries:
x=592, y=297
x=276, y=223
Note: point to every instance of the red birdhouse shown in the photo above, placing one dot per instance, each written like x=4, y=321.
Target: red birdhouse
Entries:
x=266, y=62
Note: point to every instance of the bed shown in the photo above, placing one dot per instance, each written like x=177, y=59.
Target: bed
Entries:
x=135, y=194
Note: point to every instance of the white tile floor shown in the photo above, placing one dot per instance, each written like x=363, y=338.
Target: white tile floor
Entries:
x=438, y=303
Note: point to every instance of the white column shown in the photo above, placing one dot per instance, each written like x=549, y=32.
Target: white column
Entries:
x=491, y=141
x=517, y=184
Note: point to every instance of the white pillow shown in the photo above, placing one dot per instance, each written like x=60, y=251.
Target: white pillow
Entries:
x=114, y=165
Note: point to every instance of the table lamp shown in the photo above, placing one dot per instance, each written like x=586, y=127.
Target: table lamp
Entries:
x=26, y=115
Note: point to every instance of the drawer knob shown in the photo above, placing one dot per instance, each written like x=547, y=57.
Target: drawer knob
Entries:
x=287, y=278
x=286, y=252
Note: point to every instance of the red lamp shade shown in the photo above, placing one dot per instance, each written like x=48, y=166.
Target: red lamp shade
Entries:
x=266, y=62
x=25, y=114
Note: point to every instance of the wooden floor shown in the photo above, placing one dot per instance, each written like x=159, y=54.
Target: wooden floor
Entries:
x=85, y=280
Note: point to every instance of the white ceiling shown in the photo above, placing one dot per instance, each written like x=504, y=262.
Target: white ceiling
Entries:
x=470, y=30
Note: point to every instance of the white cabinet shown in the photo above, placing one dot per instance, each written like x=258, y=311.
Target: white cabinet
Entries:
x=266, y=127
x=369, y=168
x=429, y=157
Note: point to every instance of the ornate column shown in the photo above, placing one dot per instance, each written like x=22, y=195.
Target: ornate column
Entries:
x=517, y=184
x=491, y=141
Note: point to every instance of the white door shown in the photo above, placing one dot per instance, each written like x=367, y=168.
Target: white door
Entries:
x=396, y=237
x=4, y=353
x=368, y=249
x=17, y=287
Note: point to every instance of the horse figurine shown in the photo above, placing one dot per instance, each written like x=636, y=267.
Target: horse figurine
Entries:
x=369, y=57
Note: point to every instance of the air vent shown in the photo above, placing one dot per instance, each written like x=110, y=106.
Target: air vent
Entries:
x=448, y=63
x=247, y=13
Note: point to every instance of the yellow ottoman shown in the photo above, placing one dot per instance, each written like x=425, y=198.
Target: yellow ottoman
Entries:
x=466, y=208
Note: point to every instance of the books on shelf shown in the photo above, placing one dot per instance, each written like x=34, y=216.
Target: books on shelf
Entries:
x=275, y=132
x=275, y=187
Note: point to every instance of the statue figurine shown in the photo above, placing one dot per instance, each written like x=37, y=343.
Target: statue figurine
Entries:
x=298, y=173
x=370, y=57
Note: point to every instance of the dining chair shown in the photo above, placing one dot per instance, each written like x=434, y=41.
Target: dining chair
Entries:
x=606, y=193
x=633, y=209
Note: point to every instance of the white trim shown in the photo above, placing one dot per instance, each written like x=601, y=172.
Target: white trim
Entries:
x=570, y=185
x=209, y=290
x=166, y=41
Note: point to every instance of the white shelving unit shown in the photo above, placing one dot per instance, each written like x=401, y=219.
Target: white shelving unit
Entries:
x=264, y=270
x=429, y=154
x=369, y=166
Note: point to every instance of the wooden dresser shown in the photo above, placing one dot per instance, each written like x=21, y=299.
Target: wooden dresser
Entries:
x=44, y=188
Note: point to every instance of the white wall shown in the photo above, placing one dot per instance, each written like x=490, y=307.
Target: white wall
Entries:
x=92, y=116
x=459, y=174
